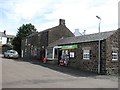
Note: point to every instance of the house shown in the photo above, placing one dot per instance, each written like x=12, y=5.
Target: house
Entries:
x=77, y=32
x=5, y=41
x=34, y=46
x=83, y=52
x=3, y=38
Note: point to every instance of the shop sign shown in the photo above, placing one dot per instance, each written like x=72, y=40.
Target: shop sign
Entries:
x=69, y=46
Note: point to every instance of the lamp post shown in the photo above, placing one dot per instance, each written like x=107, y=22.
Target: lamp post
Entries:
x=99, y=46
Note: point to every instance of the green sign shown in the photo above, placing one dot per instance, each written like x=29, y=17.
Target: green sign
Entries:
x=69, y=46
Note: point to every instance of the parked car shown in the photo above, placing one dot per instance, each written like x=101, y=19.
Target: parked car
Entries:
x=11, y=54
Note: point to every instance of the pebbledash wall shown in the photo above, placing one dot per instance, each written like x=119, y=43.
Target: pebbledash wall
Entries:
x=109, y=52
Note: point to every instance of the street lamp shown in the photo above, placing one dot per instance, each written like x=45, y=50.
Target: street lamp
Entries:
x=99, y=46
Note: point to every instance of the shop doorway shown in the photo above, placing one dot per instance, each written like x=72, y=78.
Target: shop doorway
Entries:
x=42, y=54
x=59, y=55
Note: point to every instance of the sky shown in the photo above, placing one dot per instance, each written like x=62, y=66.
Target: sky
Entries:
x=44, y=14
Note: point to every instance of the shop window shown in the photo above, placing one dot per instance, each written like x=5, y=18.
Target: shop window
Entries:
x=56, y=53
x=25, y=50
x=35, y=51
x=86, y=54
x=26, y=42
x=32, y=50
x=49, y=53
x=114, y=55
x=72, y=54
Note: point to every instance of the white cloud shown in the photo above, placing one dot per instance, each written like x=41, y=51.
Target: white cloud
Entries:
x=47, y=25
x=45, y=14
x=29, y=8
x=81, y=14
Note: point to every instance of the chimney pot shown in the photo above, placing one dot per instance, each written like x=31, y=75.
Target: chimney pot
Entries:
x=61, y=22
x=4, y=32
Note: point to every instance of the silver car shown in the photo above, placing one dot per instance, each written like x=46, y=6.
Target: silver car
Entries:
x=11, y=54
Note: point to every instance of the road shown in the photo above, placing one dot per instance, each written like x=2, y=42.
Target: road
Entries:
x=21, y=74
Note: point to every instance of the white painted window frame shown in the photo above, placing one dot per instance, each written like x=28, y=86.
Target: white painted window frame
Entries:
x=86, y=54
x=114, y=55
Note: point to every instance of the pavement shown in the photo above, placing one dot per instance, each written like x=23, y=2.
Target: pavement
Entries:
x=1, y=72
x=71, y=71
x=18, y=73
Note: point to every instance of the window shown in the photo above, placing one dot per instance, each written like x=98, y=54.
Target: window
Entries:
x=56, y=53
x=114, y=55
x=35, y=51
x=26, y=42
x=25, y=50
x=49, y=53
x=86, y=54
x=72, y=54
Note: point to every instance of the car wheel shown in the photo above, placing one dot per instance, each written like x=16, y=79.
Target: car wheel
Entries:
x=8, y=56
x=4, y=56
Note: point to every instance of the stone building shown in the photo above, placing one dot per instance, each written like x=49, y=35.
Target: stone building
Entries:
x=34, y=45
x=83, y=51
x=119, y=49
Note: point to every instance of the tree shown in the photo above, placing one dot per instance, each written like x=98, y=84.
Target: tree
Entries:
x=23, y=31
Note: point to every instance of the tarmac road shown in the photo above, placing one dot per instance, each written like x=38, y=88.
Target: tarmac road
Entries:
x=21, y=74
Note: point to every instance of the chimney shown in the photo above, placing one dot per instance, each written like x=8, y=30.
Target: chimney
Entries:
x=4, y=32
x=77, y=33
x=61, y=22
x=84, y=32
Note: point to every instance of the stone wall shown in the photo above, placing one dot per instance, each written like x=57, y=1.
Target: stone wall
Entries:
x=59, y=32
x=107, y=65
x=86, y=65
x=103, y=57
x=119, y=50
x=41, y=40
x=111, y=44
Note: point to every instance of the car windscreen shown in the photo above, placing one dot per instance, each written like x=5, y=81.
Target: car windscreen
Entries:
x=12, y=52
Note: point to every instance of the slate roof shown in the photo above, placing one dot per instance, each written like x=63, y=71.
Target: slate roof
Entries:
x=2, y=34
x=84, y=38
x=33, y=34
x=10, y=36
x=58, y=27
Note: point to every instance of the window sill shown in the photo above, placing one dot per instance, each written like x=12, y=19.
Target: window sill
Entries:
x=86, y=59
x=114, y=60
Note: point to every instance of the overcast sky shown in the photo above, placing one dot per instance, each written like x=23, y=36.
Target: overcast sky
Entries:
x=44, y=14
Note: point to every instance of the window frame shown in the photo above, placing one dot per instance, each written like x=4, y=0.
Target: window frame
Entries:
x=114, y=55
x=86, y=54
